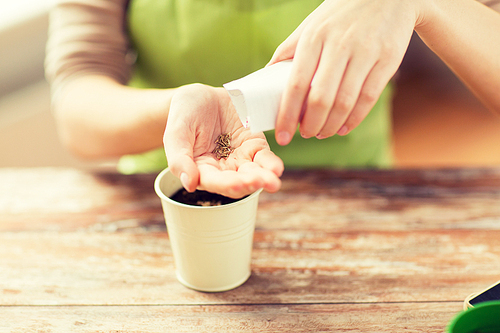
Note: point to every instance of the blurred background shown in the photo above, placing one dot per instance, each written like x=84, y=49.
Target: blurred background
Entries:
x=437, y=121
x=28, y=135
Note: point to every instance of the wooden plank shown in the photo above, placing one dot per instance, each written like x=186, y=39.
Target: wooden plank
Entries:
x=348, y=250
x=367, y=318
x=68, y=200
x=384, y=200
x=307, y=266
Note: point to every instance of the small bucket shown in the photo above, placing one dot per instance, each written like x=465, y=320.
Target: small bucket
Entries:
x=212, y=245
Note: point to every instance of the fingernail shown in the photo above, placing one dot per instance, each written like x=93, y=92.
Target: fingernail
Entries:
x=283, y=138
x=184, y=180
x=343, y=130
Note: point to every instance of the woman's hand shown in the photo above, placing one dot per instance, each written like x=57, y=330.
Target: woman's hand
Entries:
x=344, y=54
x=198, y=115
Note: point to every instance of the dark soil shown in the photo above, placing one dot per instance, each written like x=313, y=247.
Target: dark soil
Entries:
x=201, y=198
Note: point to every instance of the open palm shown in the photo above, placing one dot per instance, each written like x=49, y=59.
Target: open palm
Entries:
x=198, y=115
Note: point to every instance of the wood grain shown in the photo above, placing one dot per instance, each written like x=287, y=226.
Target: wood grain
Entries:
x=123, y=268
x=358, y=250
x=366, y=318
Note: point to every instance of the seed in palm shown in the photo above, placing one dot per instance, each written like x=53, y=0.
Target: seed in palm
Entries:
x=223, y=146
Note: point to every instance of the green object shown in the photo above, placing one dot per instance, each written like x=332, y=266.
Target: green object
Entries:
x=150, y=161
x=483, y=318
x=217, y=41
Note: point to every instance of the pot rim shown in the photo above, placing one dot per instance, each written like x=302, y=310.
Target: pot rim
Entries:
x=162, y=195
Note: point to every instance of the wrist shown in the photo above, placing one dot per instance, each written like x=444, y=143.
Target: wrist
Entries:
x=426, y=14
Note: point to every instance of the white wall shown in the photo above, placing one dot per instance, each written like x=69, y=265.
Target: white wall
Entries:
x=27, y=129
x=23, y=33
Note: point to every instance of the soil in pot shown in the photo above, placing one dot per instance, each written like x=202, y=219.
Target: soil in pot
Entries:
x=201, y=198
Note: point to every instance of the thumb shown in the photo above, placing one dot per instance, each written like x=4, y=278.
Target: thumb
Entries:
x=179, y=153
x=284, y=51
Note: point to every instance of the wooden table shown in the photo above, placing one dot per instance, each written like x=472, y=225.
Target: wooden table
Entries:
x=356, y=251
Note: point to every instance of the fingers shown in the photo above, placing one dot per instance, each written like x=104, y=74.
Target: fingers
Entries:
x=323, y=92
x=350, y=93
x=270, y=182
x=356, y=98
x=235, y=184
x=368, y=97
x=187, y=171
x=226, y=182
x=179, y=150
x=345, y=54
x=294, y=96
x=285, y=50
x=269, y=161
x=343, y=91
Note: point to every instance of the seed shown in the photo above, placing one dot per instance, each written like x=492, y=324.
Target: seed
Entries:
x=223, y=146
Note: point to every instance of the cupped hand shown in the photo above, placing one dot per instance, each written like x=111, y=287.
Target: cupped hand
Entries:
x=344, y=54
x=198, y=115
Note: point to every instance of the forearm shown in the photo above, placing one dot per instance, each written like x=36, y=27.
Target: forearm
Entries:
x=465, y=35
x=99, y=117
x=88, y=68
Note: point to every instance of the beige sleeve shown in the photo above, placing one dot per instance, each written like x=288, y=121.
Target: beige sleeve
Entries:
x=87, y=37
x=495, y=4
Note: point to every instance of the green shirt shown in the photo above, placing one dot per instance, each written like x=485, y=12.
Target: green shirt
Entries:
x=217, y=41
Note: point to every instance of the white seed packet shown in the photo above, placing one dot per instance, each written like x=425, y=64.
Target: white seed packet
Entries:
x=257, y=96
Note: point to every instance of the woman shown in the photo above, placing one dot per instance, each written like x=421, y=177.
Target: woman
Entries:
x=345, y=52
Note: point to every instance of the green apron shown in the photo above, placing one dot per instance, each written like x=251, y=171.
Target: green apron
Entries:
x=217, y=41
